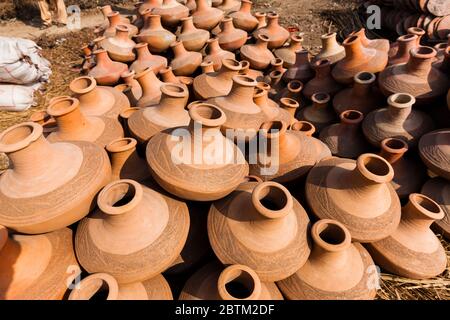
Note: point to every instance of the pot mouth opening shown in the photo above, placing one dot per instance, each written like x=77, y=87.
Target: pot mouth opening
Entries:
x=144, y=72
x=352, y=116
x=272, y=15
x=303, y=126
x=375, y=168
x=98, y=40
x=245, y=64
x=423, y=52
x=365, y=77
x=207, y=114
x=125, y=114
x=297, y=38
x=295, y=86
x=112, y=14
x=263, y=38
x=231, y=64
x=275, y=74
x=273, y=129
x=277, y=62
x=321, y=97
x=350, y=40
x=96, y=287
x=426, y=205
x=263, y=85
x=83, y=85
x=394, y=145
x=128, y=73
x=174, y=90
x=328, y=35
x=252, y=178
x=244, y=80
x=321, y=63
x=186, y=18
x=260, y=14
x=401, y=100
x=122, y=28
x=331, y=235
x=272, y=200
x=407, y=37
x=62, y=106
x=40, y=117
x=19, y=136
x=258, y=92
x=416, y=31
x=119, y=197
x=441, y=46
x=121, y=144
x=289, y=103
x=238, y=283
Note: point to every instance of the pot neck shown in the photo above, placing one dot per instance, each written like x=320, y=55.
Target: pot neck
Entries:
x=102, y=59
x=188, y=25
x=168, y=76
x=262, y=44
x=202, y=5
x=296, y=43
x=242, y=93
x=399, y=113
x=420, y=64
x=114, y=19
x=142, y=52
x=152, y=21
x=89, y=97
x=420, y=213
x=214, y=47
x=329, y=42
x=393, y=149
x=363, y=88
x=242, y=275
x=120, y=151
x=228, y=73
x=405, y=44
x=323, y=69
x=148, y=82
x=354, y=49
x=273, y=21
x=227, y=25
x=122, y=33
x=301, y=58
x=178, y=49
x=246, y=6
x=71, y=120
x=173, y=104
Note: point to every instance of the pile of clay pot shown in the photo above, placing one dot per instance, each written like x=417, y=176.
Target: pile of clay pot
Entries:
x=108, y=182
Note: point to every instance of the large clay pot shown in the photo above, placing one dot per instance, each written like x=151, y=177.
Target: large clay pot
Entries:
x=277, y=34
x=104, y=286
x=216, y=54
x=438, y=189
x=114, y=20
x=356, y=193
x=331, y=49
x=262, y=226
x=205, y=16
x=398, y=120
x=171, y=12
x=236, y=282
x=184, y=63
x=231, y=38
x=413, y=250
x=120, y=46
x=405, y=44
x=358, y=58
x=243, y=19
x=48, y=185
x=193, y=39
x=147, y=60
x=434, y=150
x=229, y=6
x=320, y=114
x=258, y=54
x=151, y=88
x=381, y=45
x=106, y=72
x=136, y=233
x=210, y=169
x=416, y=77
x=287, y=53
x=323, y=81
x=153, y=33
x=38, y=267
x=270, y=108
x=337, y=269
x=301, y=70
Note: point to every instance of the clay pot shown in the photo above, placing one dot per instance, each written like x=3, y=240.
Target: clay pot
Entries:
x=153, y=33
x=438, y=189
x=216, y=84
x=405, y=44
x=148, y=5
x=193, y=39
x=103, y=285
x=286, y=155
x=413, y=250
x=381, y=45
x=337, y=269
x=120, y=46
x=147, y=60
x=49, y=256
x=323, y=81
x=216, y=54
x=416, y=77
x=129, y=80
x=319, y=113
x=72, y=125
x=243, y=19
x=358, y=58
x=301, y=70
x=106, y=72
x=345, y=139
x=331, y=49
x=229, y=6
x=45, y=120
x=261, y=17
x=262, y=226
x=114, y=20
x=184, y=63
x=60, y=179
x=258, y=54
x=434, y=150
x=151, y=88
x=205, y=16
x=364, y=96
x=236, y=282
x=129, y=235
x=304, y=127
x=398, y=120
x=270, y=108
x=254, y=74
x=356, y=193
x=287, y=53
x=231, y=38
x=418, y=32
x=277, y=34
x=405, y=183
x=171, y=12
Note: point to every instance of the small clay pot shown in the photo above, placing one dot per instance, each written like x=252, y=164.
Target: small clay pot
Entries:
x=231, y=38
x=147, y=60
x=153, y=33
x=184, y=63
x=171, y=12
x=216, y=54
x=243, y=19
x=277, y=34
x=301, y=70
x=106, y=72
x=319, y=113
x=405, y=44
x=270, y=108
x=434, y=151
x=205, y=16
x=120, y=46
x=258, y=54
x=287, y=53
x=323, y=81
x=151, y=88
x=438, y=189
x=228, y=6
x=331, y=49
x=381, y=45
x=193, y=39
x=116, y=19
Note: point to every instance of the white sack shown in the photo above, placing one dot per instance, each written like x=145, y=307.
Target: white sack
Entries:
x=16, y=97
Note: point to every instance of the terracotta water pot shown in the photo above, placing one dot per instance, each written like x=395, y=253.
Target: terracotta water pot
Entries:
x=184, y=63
x=45, y=120
x=193, y=39
x=129, y=80
x=216, y=84
x=262, y=226
x=254, y=74
x=331, y=49
x=258, y=54
x=304, y=127
x=72, y=125
x=243, y=19
x=120, y=46
x=212, y=167
x=229, y=6
x=236, y=282
x=438, y=189
x=116, y=19
x=405, y=183
x=345, y=139
x=151, y=88
x=231, y=38
x=337, y=269
x=301, y=70
x=416, y=77
x=277, y=34
x=153, y=33
x=171, y=12
x=48, y=185
x=104, y=286
x=106, y=72
x=147, y=60
x=287, y=155
x=270, y=108
x=398, y=120
x=358, y=58
x=418, y=32
x=405, y=44
x=323, y=81
x=320, y=114
x=205, y=16
x=413, y=250
x=136, y=233
x=434, y=150
x=364, y=96
x=287, y=53
x=381, y=45
x=148, y=5
x=49, y=256
x=356, y=193
x=216, y=54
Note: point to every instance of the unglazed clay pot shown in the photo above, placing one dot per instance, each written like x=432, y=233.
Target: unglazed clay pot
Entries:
x=229, y=6
x=243, y=116
x=114, y=20
x=168, y=113
x=171, y=12
x=277, y=34
x=216, y=84
x=129, y=80
x=72, y=125
x=262, y=226
x=319, y=113
x=48, y=185
x=106, y=72
x=243, y=19
x=49, y=256
x=258, y=54
x=147, y=60
x=364, y=96
x=153, y=33
x=254, y=74
x=287, y=155
x=216, y=54
x=356, y=193
x=405, y=44
x=381, y=45
x=323, y=81
x=304, y=127
x=413, y=250
x=398, y=120
x=337, y=269
x=345, y=139
x=434, y=149
x=135, y=235
x=120, y=46
x=287, y=53
x=151, y=88
x=210, y=170
x=301, y=70
x=438, y=189
x=184, y=63
x=416, y=77
x=358, y=58
x=103, y=285
x=270, y=108
x=236, y=282
x=331, y=49
x=205, y=16
x=193, y=39
x=231, y=38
